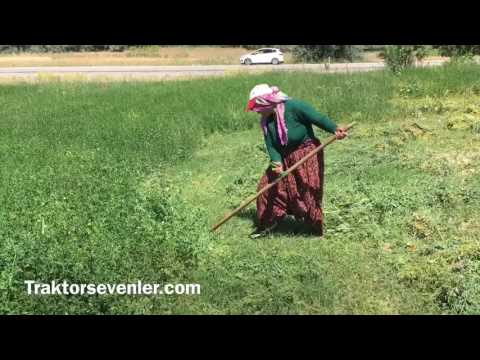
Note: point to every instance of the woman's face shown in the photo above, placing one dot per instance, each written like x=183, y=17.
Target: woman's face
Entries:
x=266, y=112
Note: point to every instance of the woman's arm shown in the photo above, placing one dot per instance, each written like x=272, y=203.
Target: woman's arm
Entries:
x=311, y=116
x=275, y=156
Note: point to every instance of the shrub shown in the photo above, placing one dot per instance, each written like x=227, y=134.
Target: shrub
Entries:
x=319, y=53
x=400, y=57
x=458, y=50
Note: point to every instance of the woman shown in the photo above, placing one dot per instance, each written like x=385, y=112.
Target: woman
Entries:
x=289, y=137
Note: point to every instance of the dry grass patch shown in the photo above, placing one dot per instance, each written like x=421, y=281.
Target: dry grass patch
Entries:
x=141, y=56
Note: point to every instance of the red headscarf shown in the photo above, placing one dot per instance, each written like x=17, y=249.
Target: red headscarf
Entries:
x=274, y=100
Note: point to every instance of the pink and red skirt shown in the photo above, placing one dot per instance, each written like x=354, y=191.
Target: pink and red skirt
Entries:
x=300, y=194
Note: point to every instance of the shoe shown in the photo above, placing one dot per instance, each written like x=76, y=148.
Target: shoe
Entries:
x=262, y=233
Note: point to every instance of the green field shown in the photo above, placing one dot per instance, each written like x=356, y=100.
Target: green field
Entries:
x=119, y=182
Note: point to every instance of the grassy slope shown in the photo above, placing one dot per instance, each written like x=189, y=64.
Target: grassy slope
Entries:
x=91, y=183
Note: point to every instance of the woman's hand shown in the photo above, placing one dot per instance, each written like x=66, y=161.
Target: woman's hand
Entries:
x=341, y=133
x=277, y=167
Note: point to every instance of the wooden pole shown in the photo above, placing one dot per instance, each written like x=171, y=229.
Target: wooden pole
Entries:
x=280, y=178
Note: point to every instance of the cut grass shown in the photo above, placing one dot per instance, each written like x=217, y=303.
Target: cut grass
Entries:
x=119, y=182
x=384, y=216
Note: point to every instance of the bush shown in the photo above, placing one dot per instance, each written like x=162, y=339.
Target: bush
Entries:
x=465, y=59
x=400, y=57
x=320, y=53
x=458, y=50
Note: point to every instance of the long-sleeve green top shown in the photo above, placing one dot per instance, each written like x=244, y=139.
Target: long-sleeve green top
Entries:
x=299, y=117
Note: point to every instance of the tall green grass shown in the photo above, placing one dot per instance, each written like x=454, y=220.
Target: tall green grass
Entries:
x=82, y=186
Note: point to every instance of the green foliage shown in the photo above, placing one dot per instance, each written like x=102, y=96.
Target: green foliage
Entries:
x=321, y=53
x=83, y=216
x=465, y=59
x=400, y=57
x=372, y=47
x=458, y=50
x=121, y=182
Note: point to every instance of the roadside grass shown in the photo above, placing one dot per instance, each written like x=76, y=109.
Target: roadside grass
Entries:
x=46, y=77
x=120, y=182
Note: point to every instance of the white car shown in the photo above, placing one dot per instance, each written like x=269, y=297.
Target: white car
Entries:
x=263, y=56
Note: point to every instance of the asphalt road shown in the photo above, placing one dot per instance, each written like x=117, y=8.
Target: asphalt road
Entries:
x=162, y=72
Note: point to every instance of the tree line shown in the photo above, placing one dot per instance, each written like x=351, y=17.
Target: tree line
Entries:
x=400, y=57
x=59, y=48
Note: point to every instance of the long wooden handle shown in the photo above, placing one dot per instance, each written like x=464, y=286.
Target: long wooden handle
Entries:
x=280, y=178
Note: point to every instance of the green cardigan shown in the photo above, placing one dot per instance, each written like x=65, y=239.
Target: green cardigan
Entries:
x=299, y=117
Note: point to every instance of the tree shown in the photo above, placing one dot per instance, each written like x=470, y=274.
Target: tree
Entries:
x=400, y=57
x=458, y=50
x=320, y=53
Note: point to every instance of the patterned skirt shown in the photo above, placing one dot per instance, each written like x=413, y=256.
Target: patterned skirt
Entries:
x=300, y=194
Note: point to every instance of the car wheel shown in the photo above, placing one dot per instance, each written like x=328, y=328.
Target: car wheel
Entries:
x=275, y=62
x=248, y=62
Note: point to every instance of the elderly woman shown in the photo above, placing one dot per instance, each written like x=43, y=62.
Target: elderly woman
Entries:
x=289, y=137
